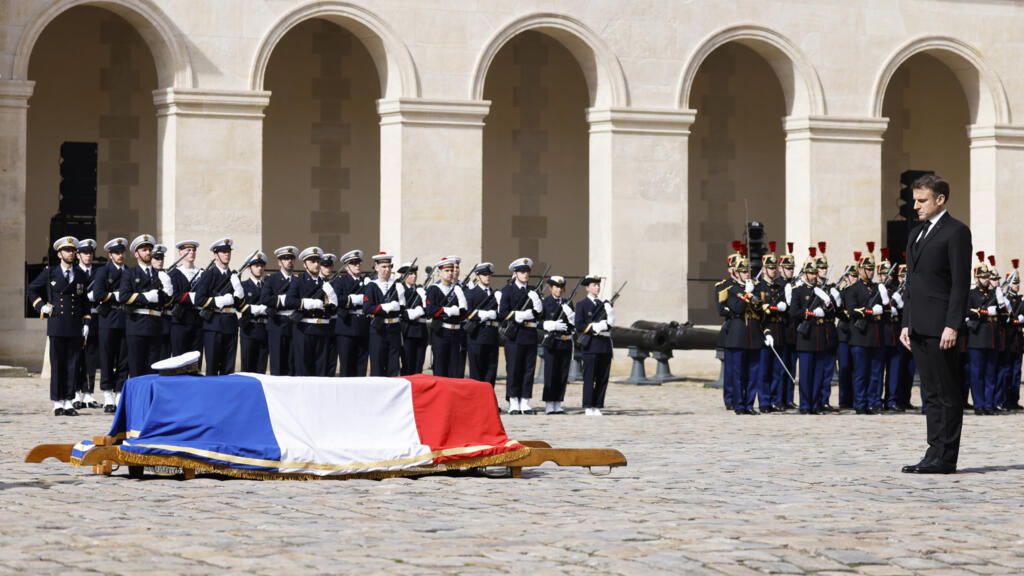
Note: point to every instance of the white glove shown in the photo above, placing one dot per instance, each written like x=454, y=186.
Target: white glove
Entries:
x=1000, y=298
x=165, y=282
x=90, y=296
x=192, y=297
x=401, y=297
x=236, y=286
x=486, y=315
x=523, y=315
x=598, y=327
x=819, y=313
x=497, y=297
x=355, y=299
x=1020, y=318
x=451, y=310
x=568, y=311
x=224, y=300
x=280, y=301
x=258, y=309
x=788, y=291
x=991, y=310
x=609, y=314
x=390, y=307
x=892, y=311
x=769, y=341
x=85, y=331
x=781, y=306
x=835, y=294
x=897, y=299
x=117, y=295
x=422, y=293
x=46, y=309
x=332, y=296
x=555, y=326
x=876, y=309
x=820, y=294
x=883, y=294
x=415, y=313
x=748, y=287
x=312, y=304
x=535, y=299
x=151, y=296
x=461, y=297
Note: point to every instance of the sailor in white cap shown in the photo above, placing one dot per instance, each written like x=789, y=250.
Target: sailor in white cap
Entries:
x=144, y=293
x=159, y=253
x=447, y=307
x=85, y=383
x=186, y=325
x=58, y=295
x=113, y=346
x=352, y=328
x=520, y=308
x=253, y=322
x=383, y=302
x=217, y=296
x=314, y=300
x=558, y=319
x=327, y=264
x=279, y=325
x=595, y=318
x=415, y=324
x=482, y=325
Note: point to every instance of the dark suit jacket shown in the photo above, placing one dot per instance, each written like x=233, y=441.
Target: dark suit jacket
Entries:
x=938, y=277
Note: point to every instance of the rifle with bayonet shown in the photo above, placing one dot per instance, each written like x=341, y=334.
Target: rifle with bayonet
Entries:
x=972, y=323
x=472, y=324
x=549, y=337
x=178, y=310
x=206, y=313
x=862, y=323
x=416, y=300
x=377, y=322
x=509, y=328
x=583, y=339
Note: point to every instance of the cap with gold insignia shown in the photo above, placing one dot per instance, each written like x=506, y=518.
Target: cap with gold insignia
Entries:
x=66, y=242
x=159, y=251
x=87, y=245
x=142, y=240
x=187, y=363
x=258, y=258
x=186, y=243
x=407, y=267
x=222, y=245
x=521, y=265
x=447, y=261
x=285, y=252
x=557, y=281
x=328, y=259
x=310, y=253
x=484, y=268
x=352, y=257
x=116, y=245
x=382, y=256
x=591, y=279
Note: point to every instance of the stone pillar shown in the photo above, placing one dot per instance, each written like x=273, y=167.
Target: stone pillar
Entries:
x=997, y=205
x=431, y=178
x=638, y=208
x=16, y=346
x=833, y=184
x=210, y=150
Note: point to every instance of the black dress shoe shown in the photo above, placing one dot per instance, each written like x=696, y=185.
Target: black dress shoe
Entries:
x=827, y=408
x=896, y=409
x=909, y=407
x=934, y=469
x=514, y=412
x=728, y=407
x=846, y=406
x=979, y=412
x=110, y=409
x=791, y=405
x=862, y=411
x=93, y=405
x=527, y=411
x=817, y=412
x=1016, y=407
x=70, y=412
x=766, y=409
x=968, y=406
x=58, y=411
x=803, y=411
x=78, y=405
x=872, y=412
x=779, y=408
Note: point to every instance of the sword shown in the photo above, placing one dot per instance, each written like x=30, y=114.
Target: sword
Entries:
x=783, y=364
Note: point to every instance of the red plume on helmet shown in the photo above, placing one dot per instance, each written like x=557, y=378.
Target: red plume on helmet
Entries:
x=856, y=255
x=821, y=247
x=871, y=247
x=813, y=251
x=771, y=246
x=1015, y=262
x=736, y=245
x=743, y=250
x=885, y=253
x=992, y=259
x=981, y=256
x=790, y=246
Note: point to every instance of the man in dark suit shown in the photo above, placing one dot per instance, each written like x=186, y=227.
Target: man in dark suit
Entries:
x=939, y=263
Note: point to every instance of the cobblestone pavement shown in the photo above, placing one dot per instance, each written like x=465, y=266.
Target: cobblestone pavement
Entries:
x=705, y=492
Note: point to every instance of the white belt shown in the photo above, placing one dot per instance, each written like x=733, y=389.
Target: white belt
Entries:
x=94, y=310
x=562, y=337
x=493, y=323
x=284, y=312
x=228, y=310
x=146, y=312
x=530, y=324
x=358, y=312
x=391, y=320
x=423, y=320
x=451, y=326
x=317, y=321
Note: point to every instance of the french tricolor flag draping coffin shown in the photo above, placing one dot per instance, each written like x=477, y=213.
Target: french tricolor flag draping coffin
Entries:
x=259, y=426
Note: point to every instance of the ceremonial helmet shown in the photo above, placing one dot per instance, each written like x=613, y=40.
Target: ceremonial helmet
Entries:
x=981, y=270
x=770, y=260
x=884, y=265
x=787, y=260
x=993, y=273
x=822, y=261
x=811, y=265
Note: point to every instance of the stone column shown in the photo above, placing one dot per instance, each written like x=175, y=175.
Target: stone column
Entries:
x=210, y=167
x=431, y=178
x=16, y=346
x=833, y=184
x=997, y=203
x=638, y=208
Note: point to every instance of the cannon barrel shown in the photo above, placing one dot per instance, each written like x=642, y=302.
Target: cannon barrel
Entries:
x=643, y=339
x=681, y=336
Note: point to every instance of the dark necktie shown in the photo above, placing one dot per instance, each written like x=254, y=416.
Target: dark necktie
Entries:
x=67, y=277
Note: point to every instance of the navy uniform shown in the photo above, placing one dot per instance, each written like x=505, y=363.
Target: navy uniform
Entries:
x=844, y=359
x=900, y=362
x=252, y=325
x=459, y=370
x=352, y=328
x=481, y=326
x=982, y=315
x=446, y=307
x=1001, y=327
x=58, y=294
x=113, y=346
x=787, y=266
x=159, y=254
x=85, y=384
x=315, y=301
x=594, y=321
x=772, y=296
x=383, y=304
x=744, y=339
x=327, y=273
x=866, y=303
x=519, y=311
x=558, y=316
x=279, y=324
x=1015, y=341
x=721, y=292
x=218, y=294
x=186, y=325
x=811, y=309
x=829, y=369
x=415, y=323
x=144, y=291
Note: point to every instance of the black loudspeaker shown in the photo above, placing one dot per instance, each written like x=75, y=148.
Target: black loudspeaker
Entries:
x=61, y=225
x=78, y=161
x=898, y=231
x=756, y=246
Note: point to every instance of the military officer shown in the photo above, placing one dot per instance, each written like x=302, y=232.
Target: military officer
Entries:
x=1015, y=340
x=982, y=314
x=1003, y=361
x=482, y=326
x=58, y=294
x=519, y=310
x=85, y=384
x=833, y=336
x=721, y=289
x=218, y=294
x=316, y=301
x=594, y=321
x=186, y=325
x=787, y=267
x=773, y=311
x=557, y=317
x=384, y=303
x=866, y=302
x=327, y=273
x=459, y=370
x=279, y=324
x=113, y=345
x=415, y=324
x=145, y=291
x=252, y=325
x=159, y=253
x=744, y=337
x=844, y=360
x=898, y=358
x=353, y=327
x=446, y=307
x=810, y=308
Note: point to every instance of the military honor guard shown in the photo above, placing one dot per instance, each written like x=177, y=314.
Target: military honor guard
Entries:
x=113, y=345
x=415, y=323
x=384, y=303
x=722, y=289
x=186, y=325
x=1015, y=339
x=144, y=291
x=744, y=338
x=315, y=301
x=446, y=307
x=85, y=383
x=772, y=375
x=252, y=325
x=594, y=321
x=159, y=253
x=866, y=303
x=218, y=294
x=833, y=333
x=899, y=361
x=1001, y=333
x=811, y=308
x=327, y=273
x=279, y=324
x=481, y=326
x=58, y=294
x=352, y=328
x=558, y=316
x=787, y=269
x=519, y=310
x=982, y=315
x=844, y=359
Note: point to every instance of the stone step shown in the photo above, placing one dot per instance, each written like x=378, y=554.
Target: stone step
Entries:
x=13, y=372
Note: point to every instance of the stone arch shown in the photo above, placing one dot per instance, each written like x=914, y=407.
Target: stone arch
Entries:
x=395, y=67
x=986, y=97
x=800, y=83
x=605, y=80
x=173, y=63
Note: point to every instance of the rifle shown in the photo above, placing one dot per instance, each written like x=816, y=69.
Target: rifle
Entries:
x=510, y=328
x=549, y=338
x=584, y=338
x=176, y=262
x=378, y=321
x=803, y=327
x=465, y=280
x=473, y=321
x=178, y=311
x=862, y=322
x=972, y=323
x=207, y=313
